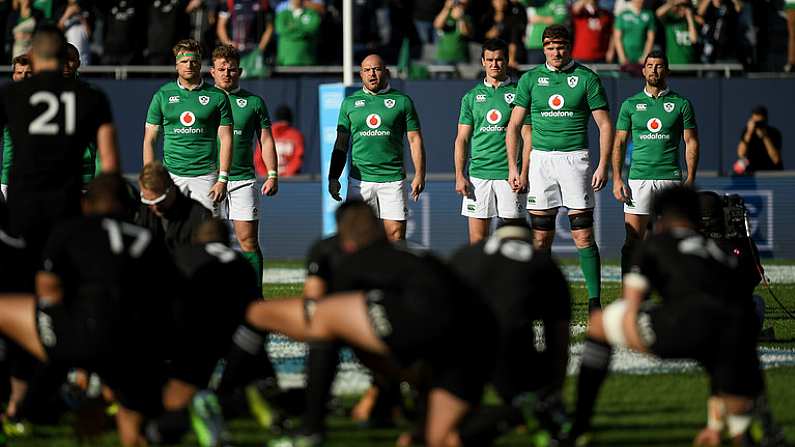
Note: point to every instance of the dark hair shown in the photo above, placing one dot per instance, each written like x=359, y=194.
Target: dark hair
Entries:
x=356, y=222
x=227, y=52
x=110, y=191
x=283, y=113
x=556, y=32
x=494, y=45
x=188, y=46
x=49, y=43
x=678, y=202
x=759, y=110
x=656, y=54
x=22, y=59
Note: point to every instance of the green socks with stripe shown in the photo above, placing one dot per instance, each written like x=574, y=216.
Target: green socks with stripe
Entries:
x=591, y=265
x=255, y=259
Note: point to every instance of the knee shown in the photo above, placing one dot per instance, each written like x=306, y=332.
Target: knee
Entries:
x=596, y=329
x=248, y=243
x=582, y=229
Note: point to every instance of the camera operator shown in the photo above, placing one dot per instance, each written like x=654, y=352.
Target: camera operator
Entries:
x=759, y=148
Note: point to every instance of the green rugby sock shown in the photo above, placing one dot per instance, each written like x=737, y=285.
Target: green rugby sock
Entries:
x=591, y=266
x=255, y=259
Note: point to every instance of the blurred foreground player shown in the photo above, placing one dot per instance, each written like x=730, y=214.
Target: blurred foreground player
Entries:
x=51, y=121
x=406, y=307
x=703, y=315
x=21, y=69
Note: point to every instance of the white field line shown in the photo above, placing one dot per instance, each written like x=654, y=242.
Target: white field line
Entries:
x=778, y=274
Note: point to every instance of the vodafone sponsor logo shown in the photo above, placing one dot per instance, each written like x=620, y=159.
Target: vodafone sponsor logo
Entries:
x=188, y=119
x=556, y=102
x=373, y=121
x=493, y=116
x=654, y=125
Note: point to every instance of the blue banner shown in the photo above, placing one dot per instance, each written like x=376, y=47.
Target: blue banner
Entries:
x=330, y=98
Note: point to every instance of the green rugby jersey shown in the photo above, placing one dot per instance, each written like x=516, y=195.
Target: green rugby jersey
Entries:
x=8, y=156
x=559, y=103
x=657, y=125
x=488, y=110
x=250, y=116
x=377, y=122
x=190, y=120
x=678, y=47
x=633, y=29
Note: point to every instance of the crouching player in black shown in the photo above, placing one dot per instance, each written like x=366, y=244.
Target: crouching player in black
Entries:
x=520, y=286
x=404, y=307
x=703, y=315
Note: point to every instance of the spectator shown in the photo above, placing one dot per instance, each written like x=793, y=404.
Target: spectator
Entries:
x=424, y=12
x=23, y=21
x=246, y=25
x=202, y=22
x=759, y=148
x=319, y=6
x=789, y=10
x=166, y=25
x=75, y=22
x=679, y=22
x=506, y=20
x=297, y=28
x=593, y=31
x=453, y=28
x=552, y=12
x=634, y=33
x=289, y=144
x=121, y=41
x=718, y=30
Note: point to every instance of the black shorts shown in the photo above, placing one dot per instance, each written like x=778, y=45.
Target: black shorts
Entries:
x=519, y=367
x=720, y=337
x=73, y=333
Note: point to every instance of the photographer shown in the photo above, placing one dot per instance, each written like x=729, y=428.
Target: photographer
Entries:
x=759, y=148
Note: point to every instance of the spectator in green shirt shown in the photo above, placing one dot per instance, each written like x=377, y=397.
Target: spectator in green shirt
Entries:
x=553, y=12
x=453, y=28
x=679, y=23
x=297, y=29
x=634, y=33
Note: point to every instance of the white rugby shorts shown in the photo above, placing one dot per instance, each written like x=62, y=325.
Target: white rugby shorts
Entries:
x=643, y=192
x=560, y=179
x=198, y=188
x=388, y=199
x=240, y=202
x=493, y=198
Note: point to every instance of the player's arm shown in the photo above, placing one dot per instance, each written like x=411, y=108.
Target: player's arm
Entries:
x=108, y=148
x=339, y=156
x=49, y=287
x=622, y=55
x=218, y=190
x=151, y=132
x=691, y=154
x=649, y=44
x=462, y=137
x=620, y=191
x=602, y=119
x=527, y=148
x=418, y=159
x=268, y=150
x=512, y=135
x=220, y=29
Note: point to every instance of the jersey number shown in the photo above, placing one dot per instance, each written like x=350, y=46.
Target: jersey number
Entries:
x=43, y=124
x=115, y=231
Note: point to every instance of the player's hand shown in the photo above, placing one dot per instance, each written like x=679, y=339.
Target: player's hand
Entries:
x=462, y=186
x=707, y=438
x=270, y=187
x=522, y=183
x=689, y=182
x=218, y=191
x=417, y=187
x=620, y=191
x=334, y=189
x=599, y=179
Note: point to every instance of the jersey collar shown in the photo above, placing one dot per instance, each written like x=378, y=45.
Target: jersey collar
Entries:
x=504, y=83
x=201, y=84
x=383, y=90
x=564, y=68
x=659, y=95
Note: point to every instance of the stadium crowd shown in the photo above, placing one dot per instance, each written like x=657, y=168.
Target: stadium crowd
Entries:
x=76, y=239
x=304, y=32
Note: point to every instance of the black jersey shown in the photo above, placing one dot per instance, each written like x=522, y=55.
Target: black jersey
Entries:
x=51, y=121
x=682, y=265
x=18, y=265
x=324, y=257
x=217, y=271
x=519, y=284
x=176, y=227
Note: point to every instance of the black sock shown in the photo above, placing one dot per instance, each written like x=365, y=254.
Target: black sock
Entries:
x=627, y=251
x=484, y=425
x=245, y=361
x=169, y=427
x=593, y=371
x=321, y=367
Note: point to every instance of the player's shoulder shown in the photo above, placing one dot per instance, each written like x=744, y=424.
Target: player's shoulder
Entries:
x=533, y=73
x=167, y=88
x=248, y=95
x=636, y=98
x=212, y=90
x=398, y=96
x=676, y=96
x=581, y=70
x=193, y=258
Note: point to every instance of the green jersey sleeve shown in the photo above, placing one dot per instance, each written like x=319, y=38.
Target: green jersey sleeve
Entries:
x=8, y=156
x=688, y=115
x=597, y=98
x=225, y=111
x=624, y=121
x=155, y=114
x=412, y=119
x=263, y=119
x=651, y=24
x=465, y=115
x=344, y=121
x=523, y=92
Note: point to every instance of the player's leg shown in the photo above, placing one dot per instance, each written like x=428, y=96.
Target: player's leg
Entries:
x=543, y=198
x=445, y=410
x=509, y=206
x=198, y=188
x=479, y=206
x=128, y=424
x=393, y=209
x=18, y=316
x=243, y=212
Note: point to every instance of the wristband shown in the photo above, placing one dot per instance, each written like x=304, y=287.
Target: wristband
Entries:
x=223, y=176
x=273, y=174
